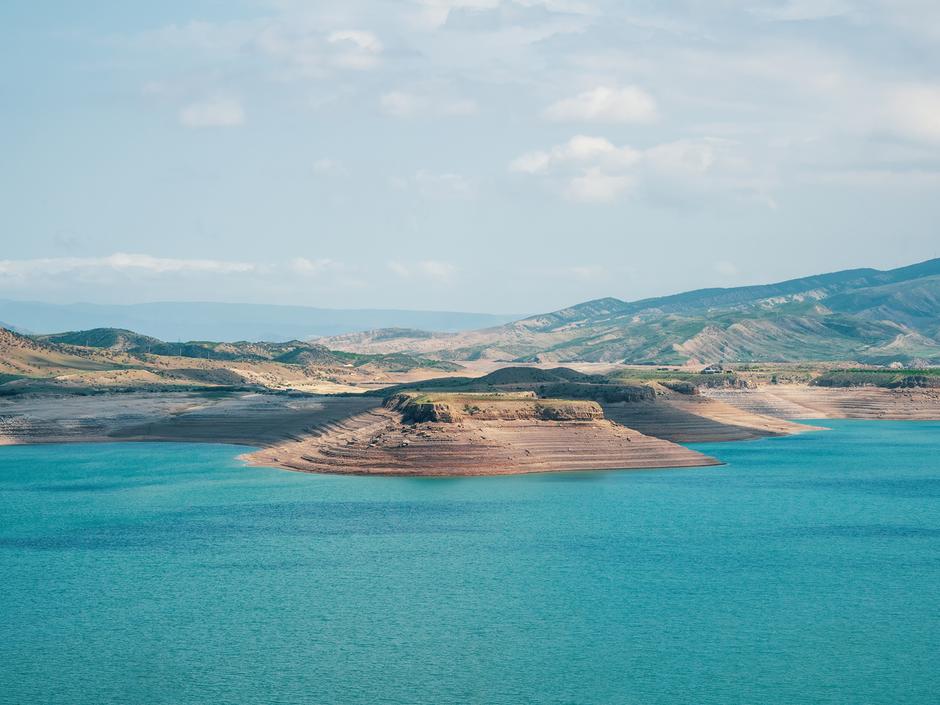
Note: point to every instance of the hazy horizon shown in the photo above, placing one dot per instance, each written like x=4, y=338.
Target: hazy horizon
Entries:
x=500, y=156
x=508, y=314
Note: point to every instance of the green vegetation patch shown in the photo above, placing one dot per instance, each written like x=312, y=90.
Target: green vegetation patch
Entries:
x=888, y=379
x=679, y=380
x=447, y=407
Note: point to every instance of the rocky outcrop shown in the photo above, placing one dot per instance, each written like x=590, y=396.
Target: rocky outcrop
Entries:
x=381, y=442
x=455, y=408
x=417, y=410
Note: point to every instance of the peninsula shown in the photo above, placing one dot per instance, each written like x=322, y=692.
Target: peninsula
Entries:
x=601, y=385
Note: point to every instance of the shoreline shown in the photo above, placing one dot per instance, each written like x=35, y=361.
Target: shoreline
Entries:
x=379, y=443
x=249, y=461
x=355, y=435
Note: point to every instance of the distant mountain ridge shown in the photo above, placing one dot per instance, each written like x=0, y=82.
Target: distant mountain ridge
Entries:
x=231, y=322
x=820, y=285
x=866, y=315
x=292, y=352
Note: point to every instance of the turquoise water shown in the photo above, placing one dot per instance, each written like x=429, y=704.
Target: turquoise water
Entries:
x=807, y=570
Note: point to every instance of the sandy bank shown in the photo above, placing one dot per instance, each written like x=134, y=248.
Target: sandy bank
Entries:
x=744, y=414
x=355, y=435
x=698, y=419
x=798, y=401
x=377, y=442
x=346, y=434
x=245, y=419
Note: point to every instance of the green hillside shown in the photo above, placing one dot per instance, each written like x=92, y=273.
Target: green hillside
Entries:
x=866, y=315
x=295, y=352
x=863, y=315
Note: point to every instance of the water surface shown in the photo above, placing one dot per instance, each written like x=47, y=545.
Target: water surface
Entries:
x=806, y=570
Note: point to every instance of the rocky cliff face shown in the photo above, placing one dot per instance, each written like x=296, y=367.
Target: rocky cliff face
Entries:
x=456, y=408
x=417, y=410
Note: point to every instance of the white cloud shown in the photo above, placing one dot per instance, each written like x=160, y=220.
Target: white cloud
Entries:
x=357, y=49
x=844, y=94
x=215, y=112
x=594, y=170
x=689, y=156
x=603, y=104
x=579, y=149
x=142, y=277
x=400, y=269
x=596, y=186
x=297, y=43
x=120, y=262
x=531, y=162
x=313, y=267
x=366, y=41
x=582, y=149
x=914, y=111
x=430, y=270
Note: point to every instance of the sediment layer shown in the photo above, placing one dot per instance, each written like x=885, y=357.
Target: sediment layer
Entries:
x=797, y=401
x=477, y=435
x=697, y=419
x=377, y=442
x=244, y=419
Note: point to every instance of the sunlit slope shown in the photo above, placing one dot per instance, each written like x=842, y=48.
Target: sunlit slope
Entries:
x=862, y=314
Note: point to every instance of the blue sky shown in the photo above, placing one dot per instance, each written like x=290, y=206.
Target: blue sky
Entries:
x=489, y=155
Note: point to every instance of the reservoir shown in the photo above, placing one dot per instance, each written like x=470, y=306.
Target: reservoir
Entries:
x=804, y=570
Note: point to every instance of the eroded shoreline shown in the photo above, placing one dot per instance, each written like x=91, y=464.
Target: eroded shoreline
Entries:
x=356, y=435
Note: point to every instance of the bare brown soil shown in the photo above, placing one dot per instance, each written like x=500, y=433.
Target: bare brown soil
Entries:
x=808, y=402
x=697, y=419
x=377, y=442
x=245, y=419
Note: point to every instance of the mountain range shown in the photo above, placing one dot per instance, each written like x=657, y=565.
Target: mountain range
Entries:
x=864, y=315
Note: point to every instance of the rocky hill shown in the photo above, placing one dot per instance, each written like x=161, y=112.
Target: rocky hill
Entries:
x=116, y=359
x=294, y=352
x=23, y=357
x=865, y=315
x=506, y=436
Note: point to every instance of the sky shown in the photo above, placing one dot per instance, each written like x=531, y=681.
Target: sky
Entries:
x=506, y=156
